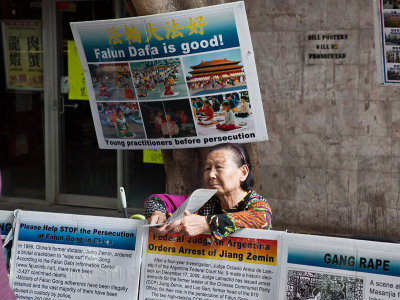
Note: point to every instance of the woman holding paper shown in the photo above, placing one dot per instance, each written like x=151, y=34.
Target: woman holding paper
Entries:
x=235, y=205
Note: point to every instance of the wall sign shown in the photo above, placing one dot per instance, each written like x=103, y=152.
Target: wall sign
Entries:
x=328, y=47
x=22, y=48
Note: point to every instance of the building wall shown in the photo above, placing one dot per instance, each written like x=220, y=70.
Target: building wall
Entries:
x=331, y=165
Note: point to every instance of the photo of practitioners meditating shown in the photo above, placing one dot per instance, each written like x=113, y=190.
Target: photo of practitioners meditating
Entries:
x=168, y=119
x=224, y=112
x=120, y=120
x=112, y=82
x=235, y=205
x=158, y=79
x=229, y=118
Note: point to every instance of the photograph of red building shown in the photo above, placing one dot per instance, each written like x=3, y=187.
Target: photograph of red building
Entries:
x=205, y=75
x=218, y=67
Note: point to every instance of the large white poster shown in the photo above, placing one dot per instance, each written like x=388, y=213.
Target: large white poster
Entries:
x=178, y=80
x=241, y=266
x=57, y=256
x=334, y=268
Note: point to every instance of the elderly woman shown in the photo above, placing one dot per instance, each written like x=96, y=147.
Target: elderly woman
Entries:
x=235, y=205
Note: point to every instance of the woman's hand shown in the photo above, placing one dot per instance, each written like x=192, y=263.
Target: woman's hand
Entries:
x=190, y=225
x=157, y=218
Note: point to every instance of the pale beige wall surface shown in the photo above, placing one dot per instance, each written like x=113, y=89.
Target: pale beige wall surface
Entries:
x=331, y=165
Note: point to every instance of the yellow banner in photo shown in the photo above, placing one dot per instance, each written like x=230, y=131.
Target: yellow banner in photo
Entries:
x=76, y=78
x=152, y=157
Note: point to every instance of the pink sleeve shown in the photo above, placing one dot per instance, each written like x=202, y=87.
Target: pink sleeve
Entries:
x=6, y=292
x=172, y=202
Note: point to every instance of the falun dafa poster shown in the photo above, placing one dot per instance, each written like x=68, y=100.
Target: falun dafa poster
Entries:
x=184, y=79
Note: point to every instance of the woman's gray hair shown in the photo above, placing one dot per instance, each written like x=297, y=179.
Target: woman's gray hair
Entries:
x=241, y=158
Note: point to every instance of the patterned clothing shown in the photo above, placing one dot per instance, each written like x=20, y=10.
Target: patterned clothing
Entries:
x=253, y=211
x=153, y=204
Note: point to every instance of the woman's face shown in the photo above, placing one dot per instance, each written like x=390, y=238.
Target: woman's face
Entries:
x=222, y=173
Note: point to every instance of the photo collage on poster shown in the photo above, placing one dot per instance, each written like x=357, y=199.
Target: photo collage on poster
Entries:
x=390, y=10
x=189, y=96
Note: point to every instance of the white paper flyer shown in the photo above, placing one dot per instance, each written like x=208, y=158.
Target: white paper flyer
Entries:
x=60, y=256
x=242, y=266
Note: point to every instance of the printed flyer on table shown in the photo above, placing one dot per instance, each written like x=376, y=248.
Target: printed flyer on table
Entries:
x=178, y=80
x=334, y=268
x=59, y=256
x=242, y=266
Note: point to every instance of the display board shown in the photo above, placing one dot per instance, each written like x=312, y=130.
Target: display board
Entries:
x=333, y=268
x=185, y=79
x=59, y=256
x=76, y=257
x=387, y=41
x=241, y=266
